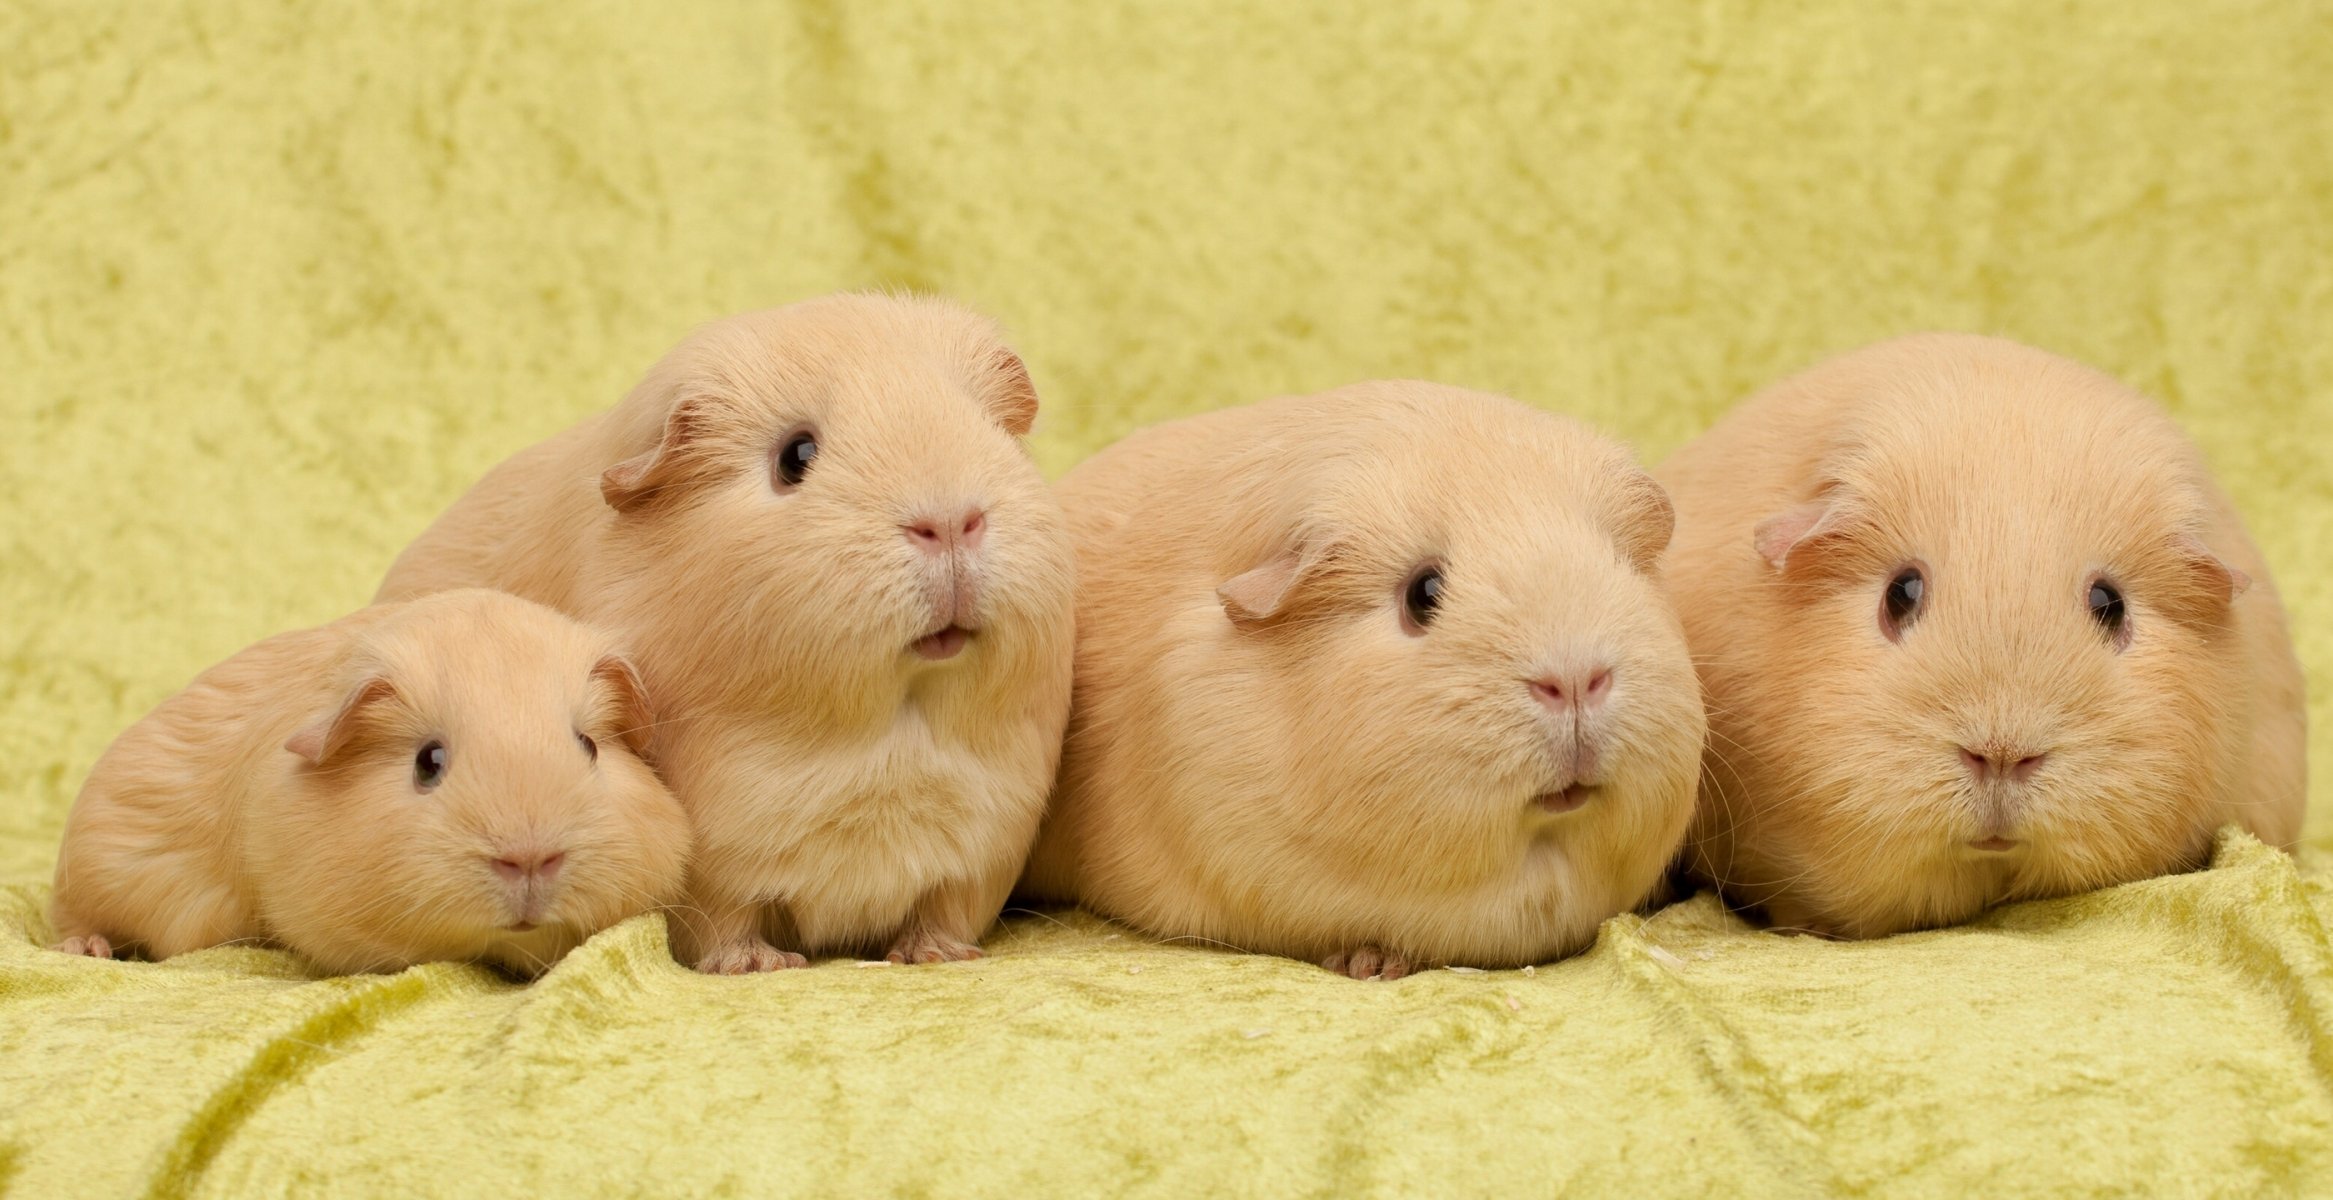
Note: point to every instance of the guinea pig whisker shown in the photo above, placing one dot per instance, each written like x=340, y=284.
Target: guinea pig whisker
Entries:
x=1193, y=937
x=681, y=906
x=534, y=960
x=1047, y=917
x=1714, y=750
x=641, y=900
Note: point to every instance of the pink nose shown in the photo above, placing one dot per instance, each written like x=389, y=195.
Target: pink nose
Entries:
x=1994, y=763
x=517, y=866
x=1580, y=690
x=934, y=534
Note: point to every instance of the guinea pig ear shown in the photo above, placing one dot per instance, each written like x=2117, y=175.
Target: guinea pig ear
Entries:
x=1780, y=536
x=638, y=479
x=1647, y=520
x=1262, y=593
x=1009, y=396
x=2220, y=582
x=623, y=679
x=323, y=738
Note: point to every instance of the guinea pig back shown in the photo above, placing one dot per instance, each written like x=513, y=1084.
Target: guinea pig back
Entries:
x=1379, y=677
x=1974, y=625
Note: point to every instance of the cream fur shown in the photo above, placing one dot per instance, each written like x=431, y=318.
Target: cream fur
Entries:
x=1262, y=756
x=1834, y=795
x=200, y=826
x=847, y=794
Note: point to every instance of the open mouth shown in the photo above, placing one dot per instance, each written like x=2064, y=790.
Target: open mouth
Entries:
x=1566, y=800
x=1995, y=843
x=941, y=646
x=521, y=927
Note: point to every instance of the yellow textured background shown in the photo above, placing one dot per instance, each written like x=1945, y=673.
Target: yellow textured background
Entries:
x=278, y=280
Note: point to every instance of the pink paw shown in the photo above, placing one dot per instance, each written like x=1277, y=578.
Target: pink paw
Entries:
x=749, y=958
x=1369, y=962
x=90, y=946
x=924, y=946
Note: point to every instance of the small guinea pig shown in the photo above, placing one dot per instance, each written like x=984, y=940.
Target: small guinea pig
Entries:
x=849, y=590
x=1380, y=677
x=454, y=778
x=1974, y=625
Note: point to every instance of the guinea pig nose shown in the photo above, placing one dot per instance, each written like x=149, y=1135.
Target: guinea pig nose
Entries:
x=933, y=533
x=516, y=865
x=1583, y=689
x=1994, y=763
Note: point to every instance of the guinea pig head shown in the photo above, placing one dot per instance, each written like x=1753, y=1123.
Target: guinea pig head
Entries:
x=1458, y=598
x=837, y=490
x=477, y=791
x=2004, y=665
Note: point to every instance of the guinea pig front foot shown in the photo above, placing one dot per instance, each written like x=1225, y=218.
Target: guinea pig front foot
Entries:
x=88, y=946
x=749, y=956
x=921, y=945
x=1370, y=962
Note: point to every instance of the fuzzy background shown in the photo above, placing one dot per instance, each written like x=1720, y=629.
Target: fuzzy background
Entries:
x=278, y=280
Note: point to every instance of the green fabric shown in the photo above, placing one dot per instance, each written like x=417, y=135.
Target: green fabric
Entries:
x=278, y=280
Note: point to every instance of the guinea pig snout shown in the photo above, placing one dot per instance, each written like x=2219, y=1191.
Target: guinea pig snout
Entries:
x=1993, y=761
x=947, y=539
x=1572, y=698
x=2002, y=768
x=522, y=866
x=529, y=873
x=948, y=530
x=1580, y=688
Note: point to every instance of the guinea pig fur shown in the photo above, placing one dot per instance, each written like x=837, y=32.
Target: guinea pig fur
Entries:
x=1974, y=625
x=849, y=590
x=453, y=778
x=1379, y=677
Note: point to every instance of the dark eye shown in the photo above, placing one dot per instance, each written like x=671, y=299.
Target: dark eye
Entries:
x=429, y=766
x=1902, y=604
x=590, y=748
x=1420, y=597
x=2107, y=609
x=793, y=457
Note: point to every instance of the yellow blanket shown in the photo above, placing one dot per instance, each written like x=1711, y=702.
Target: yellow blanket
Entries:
x=278, y=280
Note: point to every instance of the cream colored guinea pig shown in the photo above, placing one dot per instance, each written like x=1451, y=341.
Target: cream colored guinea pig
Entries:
x=850, y=591
x=1974, y=625
x=1379, y=677
x=454, y=778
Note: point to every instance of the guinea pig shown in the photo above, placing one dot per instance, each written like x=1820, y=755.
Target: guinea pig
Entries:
x=1974, y=625
x=1380, y=678
x=452, y=778
x=850, y=592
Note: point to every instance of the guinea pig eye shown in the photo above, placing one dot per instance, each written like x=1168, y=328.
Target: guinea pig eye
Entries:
x=792, y=459
x=1420, y=598
x=1902, y=604
x=2106, y=608
x=429, y=766
x=590, y=748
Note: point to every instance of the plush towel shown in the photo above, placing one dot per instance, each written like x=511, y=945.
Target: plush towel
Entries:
x=278, y=280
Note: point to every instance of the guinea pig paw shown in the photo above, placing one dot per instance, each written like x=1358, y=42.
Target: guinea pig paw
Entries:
x=925, y=946
x=1368, y=962
x=749, y=958
x=92, y=946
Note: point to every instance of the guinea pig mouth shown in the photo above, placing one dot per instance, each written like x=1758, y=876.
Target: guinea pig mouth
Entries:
x=1994, y=844
x=1567, y=799
x=943, y=645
